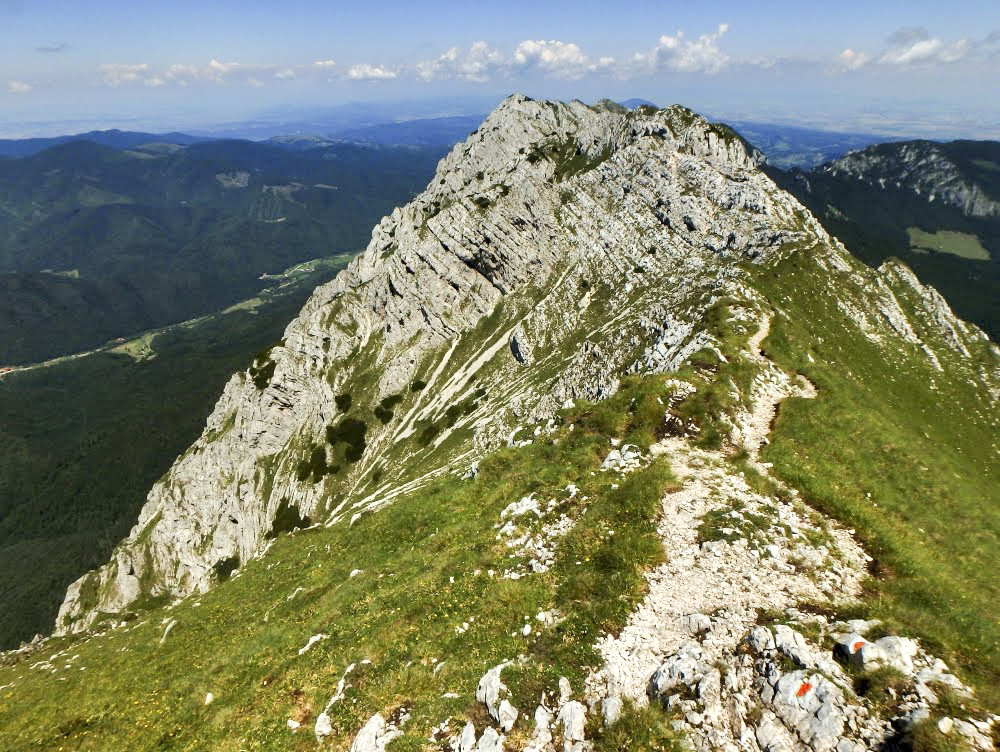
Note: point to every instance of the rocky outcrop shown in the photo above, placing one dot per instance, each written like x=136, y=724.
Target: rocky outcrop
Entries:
x=558, y=248
x=551, y=231
x=921, y=167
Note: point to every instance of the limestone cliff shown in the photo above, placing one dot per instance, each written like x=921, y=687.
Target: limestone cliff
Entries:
x=558, y=248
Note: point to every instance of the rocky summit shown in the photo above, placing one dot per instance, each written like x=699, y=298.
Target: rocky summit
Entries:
x=564, y=460
x=496, y=267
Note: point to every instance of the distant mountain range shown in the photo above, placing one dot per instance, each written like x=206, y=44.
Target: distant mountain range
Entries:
x=100, y=241
x=113, y=138
x=934, y=205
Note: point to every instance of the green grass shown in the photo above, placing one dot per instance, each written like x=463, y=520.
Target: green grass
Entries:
x=956, y=243
x=645, y=729
x=84, y=440
x=913, y=470
x=425, y=564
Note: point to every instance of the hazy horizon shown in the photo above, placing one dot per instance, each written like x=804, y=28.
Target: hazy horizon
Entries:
x=911, y=68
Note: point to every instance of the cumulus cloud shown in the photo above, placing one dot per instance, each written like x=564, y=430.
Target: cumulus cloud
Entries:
x=913, y=46
x=118, y=74
x=366, y=72
x=560, y=59
x=912, y=49
x=555, y=58
x=679, y=54
x=219, y=72
x=479, y=63
x=18, y=87
x=852, y=60
x=178, y=71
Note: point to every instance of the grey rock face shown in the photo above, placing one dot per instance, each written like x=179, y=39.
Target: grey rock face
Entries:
x=490, y=741
x=467, y=742
x=922, y=168
x=651, y=208
x=506, y=716
x=611, y=710
x=489, y=689
x=558, y=248
x=572, y=718
x=520, y=347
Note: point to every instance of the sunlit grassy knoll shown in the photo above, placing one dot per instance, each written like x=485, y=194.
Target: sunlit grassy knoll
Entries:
x=961, y=244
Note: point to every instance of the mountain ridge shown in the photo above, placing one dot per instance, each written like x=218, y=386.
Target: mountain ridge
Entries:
x=931, y=169
x=548, y=391
x=486, y=277
x=929, y=204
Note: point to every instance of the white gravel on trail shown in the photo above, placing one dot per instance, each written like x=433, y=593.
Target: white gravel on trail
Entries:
x=730, y=582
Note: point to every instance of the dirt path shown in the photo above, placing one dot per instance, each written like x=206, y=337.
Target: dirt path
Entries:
x=729, y=582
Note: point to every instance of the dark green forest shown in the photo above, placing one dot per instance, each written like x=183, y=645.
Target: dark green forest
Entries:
x=98, y=242
x=872, y=222
x=84, y=441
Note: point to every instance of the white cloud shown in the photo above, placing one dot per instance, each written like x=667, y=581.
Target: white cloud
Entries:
x=219, y=72
x=366, y=72
x=117, y=74
x=962, y=49
x=481, y=62
x=676, y=53
x=18, y=87
x=916, y=51
x=914, y=46
x=852, y=60
x=221, y=69
x=477, y=64
x=559, y=59
x=178, y=71
x=322, y=64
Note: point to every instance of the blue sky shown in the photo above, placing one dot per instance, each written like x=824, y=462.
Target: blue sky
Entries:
x=927, y=67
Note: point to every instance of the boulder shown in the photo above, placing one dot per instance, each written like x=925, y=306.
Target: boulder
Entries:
x=323, y=726
x=490, y=741
x=374, y=735
x=489, y=689
x=541, y=739
x=811, y=706
x=573, y=720
x=684, y=668
x=611, y=710
x=899, y=653
x=467, y=741
x=858, y=652
x=506, y=716
x=696, y=624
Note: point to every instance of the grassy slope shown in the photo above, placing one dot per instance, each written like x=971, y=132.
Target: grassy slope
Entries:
x=913, y=470
x=419, y=559
x=86, y=439
x=873, y=223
